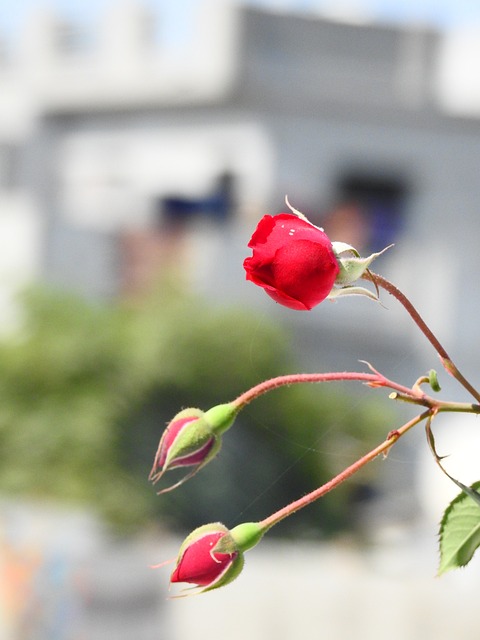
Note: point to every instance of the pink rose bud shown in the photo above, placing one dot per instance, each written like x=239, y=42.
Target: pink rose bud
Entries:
x=293, y=260
x=212, y=556
x=191, y=439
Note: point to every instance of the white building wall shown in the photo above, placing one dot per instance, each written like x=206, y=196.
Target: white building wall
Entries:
x=112, y=180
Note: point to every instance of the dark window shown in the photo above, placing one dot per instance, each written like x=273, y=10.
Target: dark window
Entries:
x=369, y=210
x=218, y=205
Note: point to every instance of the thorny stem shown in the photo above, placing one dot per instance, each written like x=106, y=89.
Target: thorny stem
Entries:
x=372, y=379
x=447, y=362
x=304, y=501
x=414, y=395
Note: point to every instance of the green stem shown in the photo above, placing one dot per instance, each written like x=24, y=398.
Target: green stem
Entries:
x=455, y=407
x=427, y=332
x=304, y=501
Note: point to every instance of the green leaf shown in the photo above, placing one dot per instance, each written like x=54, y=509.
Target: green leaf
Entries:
x=460, y=530
x=433, y=380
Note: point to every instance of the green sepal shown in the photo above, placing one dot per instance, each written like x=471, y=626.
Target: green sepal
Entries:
x=190, y=440
x=352, y=267
x=240, y=539
x=230, y=574
x=221, y=417
x=227, y=544
x=297, y=213
x=351, y=291
x=191, y=412
x=199, y=532
x=343, y=247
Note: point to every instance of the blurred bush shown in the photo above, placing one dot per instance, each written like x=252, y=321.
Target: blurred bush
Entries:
x=86, y=390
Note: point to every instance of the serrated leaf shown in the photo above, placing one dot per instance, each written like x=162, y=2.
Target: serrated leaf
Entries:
x=460, y=530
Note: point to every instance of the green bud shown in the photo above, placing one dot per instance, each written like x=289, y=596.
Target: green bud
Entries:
x=247, y=535
x=433, y=380
x=191, y=440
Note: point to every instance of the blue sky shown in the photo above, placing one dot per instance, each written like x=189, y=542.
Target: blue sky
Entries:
x=175, y=13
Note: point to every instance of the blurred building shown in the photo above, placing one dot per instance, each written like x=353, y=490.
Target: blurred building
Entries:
x=120, y=158
x=113, y=148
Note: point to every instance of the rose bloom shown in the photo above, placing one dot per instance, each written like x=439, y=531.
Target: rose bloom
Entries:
x=292, y=260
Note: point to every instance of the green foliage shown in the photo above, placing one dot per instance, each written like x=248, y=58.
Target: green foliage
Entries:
x=64, y=382
x=460, y=531
x=87, y=389
x=76, y=381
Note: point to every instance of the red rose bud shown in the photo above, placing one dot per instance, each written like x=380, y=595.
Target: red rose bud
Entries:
x=212, y=556
x=292, y=260
x=191, y=439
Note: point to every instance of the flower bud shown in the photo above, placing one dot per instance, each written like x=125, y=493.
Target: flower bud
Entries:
x=298, y=266
x=292, y=260
x=212, y=556
x=191, y=439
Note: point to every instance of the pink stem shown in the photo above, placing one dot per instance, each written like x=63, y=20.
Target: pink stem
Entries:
x=372, y=379
x=304, y=501
x=447, y=362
